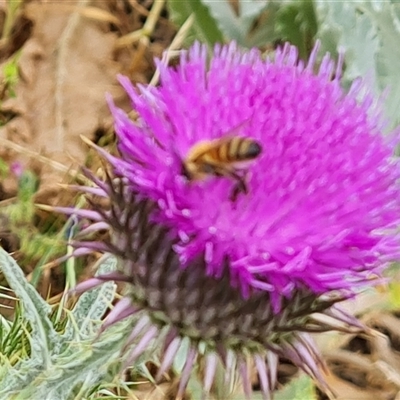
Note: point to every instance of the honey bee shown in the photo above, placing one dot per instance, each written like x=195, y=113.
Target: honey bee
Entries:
x=225, y=156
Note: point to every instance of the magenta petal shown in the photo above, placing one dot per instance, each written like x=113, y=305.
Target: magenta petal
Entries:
x=322, y=202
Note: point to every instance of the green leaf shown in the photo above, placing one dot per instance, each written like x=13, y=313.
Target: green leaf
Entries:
x=92, y=304
x=296, y=22
x=61, y=365
x=10, y=70
x=35, y=310
x=14, y=379
x=394, y=294
x=204, y=26
x=86, y=364
x=343, y=26
x=4, y=168
x=369, y=33
x=388, y=57
x=236, y=27
x=301, y=388
x=227, y=21
x=28, y=185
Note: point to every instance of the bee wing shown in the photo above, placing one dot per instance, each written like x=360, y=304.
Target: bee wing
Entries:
x=227, y=136
x=233, y=132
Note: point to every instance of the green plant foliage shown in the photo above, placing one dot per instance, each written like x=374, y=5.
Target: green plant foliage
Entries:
x=252, y=23
x=235, y=27
x=4, y=169
x=23, y=210
x=89, y=309
x=204, y=27
x=369, y=34
x=35, y=310
x=297, y=24
x=11, y=74
x=36, y=241
x=14, y=342
x=263, y=32
x=394, y=294
x=301, y=388
x=11, y=13
x=58, y=365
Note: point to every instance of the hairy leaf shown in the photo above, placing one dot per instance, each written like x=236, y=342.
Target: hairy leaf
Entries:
x=36, y=310
x=60, y=364
x=92, y=305
x=86, y=365
x=298, y=389
x=296, y=23
x=369, y=34
x=234, y=26
x=204, y=26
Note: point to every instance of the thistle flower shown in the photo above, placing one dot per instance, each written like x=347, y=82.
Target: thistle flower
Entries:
x=247, y=277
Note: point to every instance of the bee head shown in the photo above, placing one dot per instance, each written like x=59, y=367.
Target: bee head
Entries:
x=254, y=149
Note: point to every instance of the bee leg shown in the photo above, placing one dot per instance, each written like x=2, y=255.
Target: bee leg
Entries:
x=185, y=172
x=240, y=187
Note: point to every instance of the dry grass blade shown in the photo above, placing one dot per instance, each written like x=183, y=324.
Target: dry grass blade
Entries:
x=174, y=46
x=87, y=11
x=45, y=160
x=98, y=15
x=148, y=27
x=139, y=8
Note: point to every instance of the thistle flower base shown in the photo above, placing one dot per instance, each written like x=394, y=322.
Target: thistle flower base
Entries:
x=248, y=277
x=213, y=315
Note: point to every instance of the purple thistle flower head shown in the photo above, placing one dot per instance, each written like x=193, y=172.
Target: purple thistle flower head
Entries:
x=322, y=200
x=245, y=271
